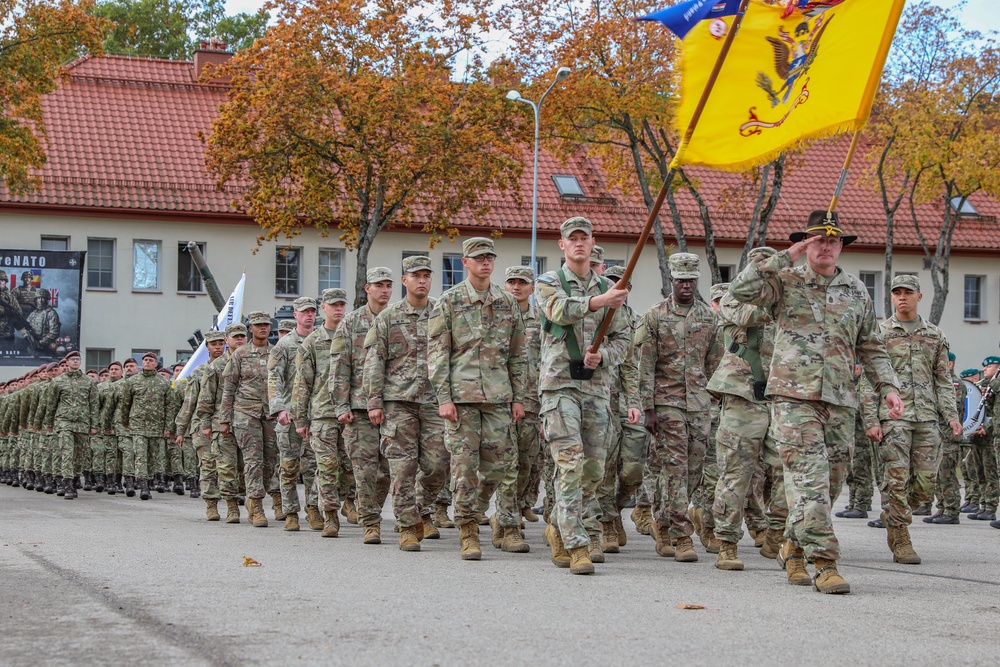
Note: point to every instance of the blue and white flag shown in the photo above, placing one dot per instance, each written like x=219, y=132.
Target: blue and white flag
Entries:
x=231, y=312
x=683, y=16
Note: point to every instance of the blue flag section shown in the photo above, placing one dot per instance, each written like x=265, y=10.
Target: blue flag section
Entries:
x=683, y=16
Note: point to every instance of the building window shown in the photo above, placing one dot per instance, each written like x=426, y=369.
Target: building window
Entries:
x=188, y=275
x=55, y=243
x=965, y=208
x=539, y=263
x=452, y=271
x=567, y=185
x=183, y=356
x=145, y=266
x=98, y=358
x=872, y=280
x=727, y=272
x=974, y=289
x=287, y=270
x=138, y=352
x=331, y=268
x=100, y=263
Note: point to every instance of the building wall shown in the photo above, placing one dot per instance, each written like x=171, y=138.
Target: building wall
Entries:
x=124, y=320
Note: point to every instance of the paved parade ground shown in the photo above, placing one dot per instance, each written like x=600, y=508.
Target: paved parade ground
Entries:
x=109, y=580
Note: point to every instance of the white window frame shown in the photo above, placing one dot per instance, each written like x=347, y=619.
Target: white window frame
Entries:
x=158, y=287
x=86, y=357
x=878, y=299
x=51, y=237
x=982, y=298
x=278, y=262
x=331, y=284
x=445, y=269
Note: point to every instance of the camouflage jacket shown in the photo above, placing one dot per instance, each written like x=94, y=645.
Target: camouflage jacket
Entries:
x=532, y=357
x=475, y=348
x=347, y=361
x=10, y=311
x=573, y=311
x=281, y=372
x=108, y=417
x=244, y=383
x=45, y=324
x=625, y=382
x=72, y=403
x=207, y=411
x=103, y=393
x=740, y=321
x=868, y=402
x=311, y=391
x=679, y=354
x=396, y=356
x=920, y=360
x=822, y=327
x=39, y=402
x=185, y=424
x=29, y=402
x=144, y=406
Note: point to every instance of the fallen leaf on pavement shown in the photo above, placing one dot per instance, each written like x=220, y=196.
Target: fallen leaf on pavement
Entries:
x=250, y=562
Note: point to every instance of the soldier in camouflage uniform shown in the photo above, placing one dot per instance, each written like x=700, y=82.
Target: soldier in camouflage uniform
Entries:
x=361, y=436
x=575, y=387
x=45, y=324
x=994, y=386
x=476, y=361
x=679, y=354
x=313, y=410
x=110, y=420
x=980, y=459
x=296, y=454
x=947, y=489
x=825, y=321
x=71, y=411
x=244, y=411
x=402, y=405
x=143, y=411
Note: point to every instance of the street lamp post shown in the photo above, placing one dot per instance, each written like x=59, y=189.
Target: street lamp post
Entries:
x=515, y=96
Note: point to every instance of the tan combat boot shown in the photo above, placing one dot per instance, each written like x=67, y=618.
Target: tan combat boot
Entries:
x=903, y=551
x=827, y=579
x=596, y=555
x=497, y=532
x=560, y=557
x=684, y=548
x=714, y=544
x=529, y=515
x=609, y=538
x=794, y=560
x=408, y=539
x=579, y=561
x=232, y=510
x=373, y=534
x=255, y=512
x=662, y=536
x=212, y=509
x=350, y=512
x=331, y=525
x=314, y=517
x=513, y=541
x=620, y=529
x=758, y=537
x=441, y=518
x=697, y=516
x=727, y=558
x=279, y=514
x=430, y=530
x=772, y=542
x=292, y=521
x=469, y=537
x=642, y=517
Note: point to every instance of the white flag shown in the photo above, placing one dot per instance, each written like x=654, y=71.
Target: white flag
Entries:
x=231, y=312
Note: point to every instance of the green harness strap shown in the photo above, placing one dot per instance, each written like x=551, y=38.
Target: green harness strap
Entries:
x=750, y=352
x=566, y=334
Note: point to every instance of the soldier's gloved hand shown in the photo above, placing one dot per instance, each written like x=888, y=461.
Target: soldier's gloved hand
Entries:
x=652, y=425
x=956, y=428
x=284, y=418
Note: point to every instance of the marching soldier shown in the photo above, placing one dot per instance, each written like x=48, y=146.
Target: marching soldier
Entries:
x=71, y=411
x=143, y=412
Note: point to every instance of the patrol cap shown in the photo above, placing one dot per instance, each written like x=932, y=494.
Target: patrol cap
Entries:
x=905, y=281
x=616, y=272
x=576, y=224
x=417, y=263
x=761, y=253
x=211, y=336
x=236, y=329
x=258, y=317
x=597, y=255
x=334, y=295
x=823, y=223
x=969, y=372
x=304, y=303
x=951, y=356
x=76, y=353
x=478, y=245
x=684, y=265
x=719, y=290
x=286, y=325
x=378, y=274
x=525, y=273
x=990, y=361
x=150, y=353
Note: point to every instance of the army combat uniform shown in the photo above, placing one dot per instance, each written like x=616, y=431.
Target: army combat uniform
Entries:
x=71, y=411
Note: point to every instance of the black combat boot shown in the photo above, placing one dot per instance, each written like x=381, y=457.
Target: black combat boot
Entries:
x=159, y=484
x=50, y=484
x=112, y=486
x=76, y=482
x=144, y=493
x=39, y=482
x=29, y=481
x=88, y=481
x=70, y=490
x=61, y=483
x=99, y=482
x=130, y=486
x=179, y=485
x=194, y=487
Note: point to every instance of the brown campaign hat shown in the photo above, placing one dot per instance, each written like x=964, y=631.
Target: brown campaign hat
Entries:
x=823, y=223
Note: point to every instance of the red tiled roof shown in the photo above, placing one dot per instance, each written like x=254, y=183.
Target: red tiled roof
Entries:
x=122, y=137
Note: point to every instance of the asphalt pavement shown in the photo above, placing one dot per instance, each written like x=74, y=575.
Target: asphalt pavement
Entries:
x=112, y=580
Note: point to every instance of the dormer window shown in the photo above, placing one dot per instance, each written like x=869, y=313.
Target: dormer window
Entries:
x=567, y=185
x=965, y=208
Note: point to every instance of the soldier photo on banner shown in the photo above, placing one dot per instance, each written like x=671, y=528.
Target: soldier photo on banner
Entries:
x=39, y=304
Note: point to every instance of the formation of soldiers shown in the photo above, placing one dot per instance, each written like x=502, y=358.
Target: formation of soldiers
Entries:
x=703, y=417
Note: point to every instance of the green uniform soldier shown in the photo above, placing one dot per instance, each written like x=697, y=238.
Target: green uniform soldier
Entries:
x=947, y=489
x=864, y=468
x=143, y=411
x=71, y=411
x=982, y=458
x=111, y=420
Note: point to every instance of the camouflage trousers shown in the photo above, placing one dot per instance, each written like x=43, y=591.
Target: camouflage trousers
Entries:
x=326, y=438
x=26, y=450
x=256, y=440
x=228, y=464
x=744, y=446
x=679, y=449
x=862, y=472
x=703, y=496
x=983, y=463
x=208, y=477
x=127, y=452
x=148, y=451
x=189, y=458
x=296, y=457
x=71, y=448
x=528, y=462
x=623, y=466
x=909, y=452
x=814, y=440
x=578, y=432
x=371, y=468
x=947, y=489
x=173, y=463
x=754, y=509
x=971, y=474
x=99, y=454
x=483, y=452
x=413, y=443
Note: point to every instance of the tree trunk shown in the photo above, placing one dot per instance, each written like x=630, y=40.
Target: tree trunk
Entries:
x=361, y=278
x=887, y=279
x=777, y=180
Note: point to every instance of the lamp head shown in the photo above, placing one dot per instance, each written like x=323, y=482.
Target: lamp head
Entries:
x=513, y=96
x=562, y=73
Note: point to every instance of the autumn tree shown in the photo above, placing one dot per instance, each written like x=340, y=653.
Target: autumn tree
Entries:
x=345, y=116
x=37, y=39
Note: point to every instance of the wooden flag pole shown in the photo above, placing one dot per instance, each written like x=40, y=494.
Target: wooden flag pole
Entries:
x=655, y=211
x=843, y=172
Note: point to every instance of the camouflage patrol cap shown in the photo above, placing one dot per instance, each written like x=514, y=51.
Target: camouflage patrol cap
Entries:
x=417, y=263
x=258, y=317
x=478, y=245
x=969, y=372
x=286, y=325
x=905, y=281
x=760, y=254
x=576, y=224
x=304, y=303
x=991, y=361
x=823, y=223
x=378, y=274
x=214, y=335
x=719, y=290
x=597, y=255
x=615, y=273
x=684, y=266
x=334, y=295
x=525, y=273
x=236, y=329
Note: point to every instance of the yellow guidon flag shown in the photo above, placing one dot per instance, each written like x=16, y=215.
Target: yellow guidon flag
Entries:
x=790, y=75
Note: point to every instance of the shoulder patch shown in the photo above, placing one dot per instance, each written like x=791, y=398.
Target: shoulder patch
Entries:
x=546, y=278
